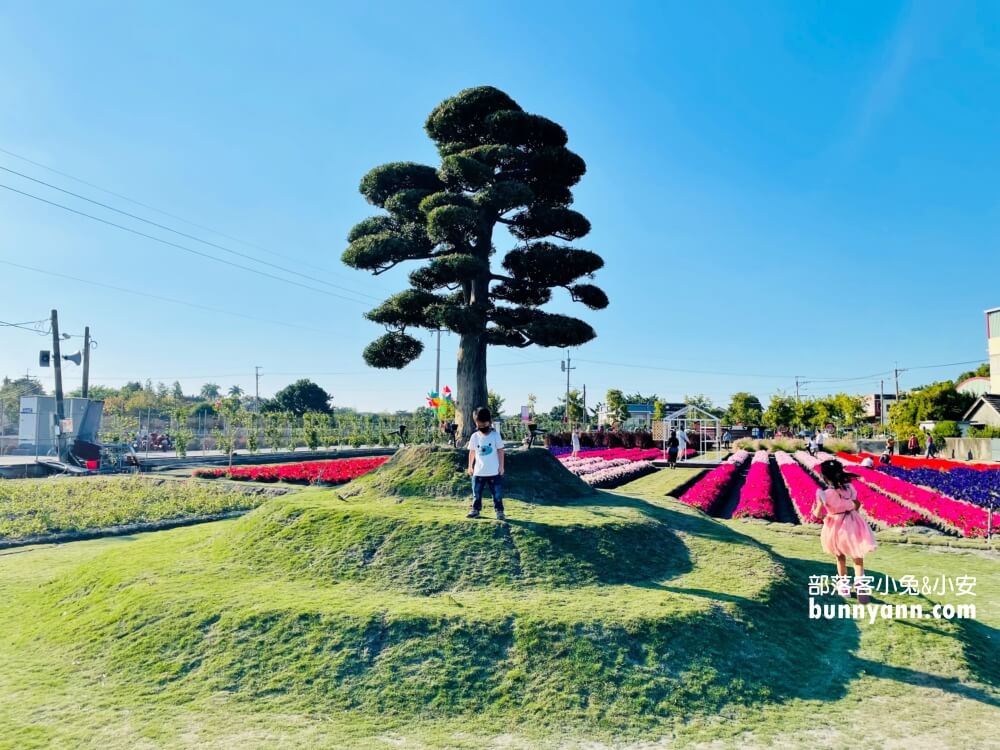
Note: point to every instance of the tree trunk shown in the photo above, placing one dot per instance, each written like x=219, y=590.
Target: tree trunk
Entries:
x=471, y=390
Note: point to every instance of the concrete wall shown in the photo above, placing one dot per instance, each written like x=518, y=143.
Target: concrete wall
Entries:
x=976, y=449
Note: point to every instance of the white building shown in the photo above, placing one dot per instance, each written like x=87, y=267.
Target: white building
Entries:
x=986, y=410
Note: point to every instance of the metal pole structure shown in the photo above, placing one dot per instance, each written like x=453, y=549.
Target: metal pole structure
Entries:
x=57, y=363
x=256, y=396
x=881, y=405
x=437, y=367
x=585, y=404
x=86, y=362
x=567, y=368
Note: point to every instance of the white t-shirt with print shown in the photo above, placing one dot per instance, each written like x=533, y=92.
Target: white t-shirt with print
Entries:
x=487, y=448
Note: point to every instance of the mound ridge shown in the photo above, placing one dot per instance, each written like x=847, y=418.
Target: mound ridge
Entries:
x=532, y=475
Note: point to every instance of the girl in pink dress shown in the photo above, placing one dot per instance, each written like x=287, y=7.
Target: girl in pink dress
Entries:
x=845, y=533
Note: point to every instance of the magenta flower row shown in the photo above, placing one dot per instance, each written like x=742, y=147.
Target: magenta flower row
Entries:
x=755, y=494
x=966, y=518
x=801, y=487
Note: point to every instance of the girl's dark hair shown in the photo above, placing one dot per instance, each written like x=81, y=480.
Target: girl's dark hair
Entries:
x=833, y=472
x=483, y=414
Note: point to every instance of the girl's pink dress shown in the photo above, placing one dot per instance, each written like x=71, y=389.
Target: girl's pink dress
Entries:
x=845, y=532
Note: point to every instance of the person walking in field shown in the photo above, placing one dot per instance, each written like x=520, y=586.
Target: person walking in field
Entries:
x=845, y=533
x=575, y=440
x=673, y=446
x=682, y=443
x=486, y=463
x=929, y=446
x=912, y=445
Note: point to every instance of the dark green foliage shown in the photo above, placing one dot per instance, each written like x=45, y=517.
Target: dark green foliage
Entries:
x=545, y=221
x=407, y=308
x=499, y=165
x=547, y=265
x=385, y=181
x=590, y=295
x=300, y=397
x=447, y=270
x=392, y=350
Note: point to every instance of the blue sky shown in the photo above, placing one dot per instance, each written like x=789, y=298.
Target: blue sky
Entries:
x=778, y=189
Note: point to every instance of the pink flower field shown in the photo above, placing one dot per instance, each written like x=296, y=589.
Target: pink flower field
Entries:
x=706, y=493
x=965, y=518
x=755, y=494
x=801, y=487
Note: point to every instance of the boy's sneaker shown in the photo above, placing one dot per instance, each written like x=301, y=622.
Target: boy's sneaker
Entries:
x=501, y=516
x=472, y=514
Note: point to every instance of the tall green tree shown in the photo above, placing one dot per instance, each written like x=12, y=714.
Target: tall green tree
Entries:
x=850, y=408
x=575, y=407
x=495, y=403
x=780, y=411
x=301, y=397
x=935, y=402
x=499, y=166
x=10, y=399
x=211, y=391
x=745, y=408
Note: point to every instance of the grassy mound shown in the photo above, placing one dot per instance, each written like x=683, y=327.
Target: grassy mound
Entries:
x=534, y=476
x=180, y=620
x=426, y=547
x=403, y=527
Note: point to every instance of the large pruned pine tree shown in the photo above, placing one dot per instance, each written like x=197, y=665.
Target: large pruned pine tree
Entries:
x=499, y=165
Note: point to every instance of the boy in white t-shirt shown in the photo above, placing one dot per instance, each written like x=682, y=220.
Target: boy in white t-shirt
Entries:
x=486, y=458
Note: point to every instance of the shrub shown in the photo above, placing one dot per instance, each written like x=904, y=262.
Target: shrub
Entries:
x=944, y=429
x=984, y=432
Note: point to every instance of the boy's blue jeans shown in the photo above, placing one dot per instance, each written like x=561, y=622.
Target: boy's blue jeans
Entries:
x=496, y=488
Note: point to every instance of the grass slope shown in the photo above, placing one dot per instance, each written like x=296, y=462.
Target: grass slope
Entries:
x=697, y=632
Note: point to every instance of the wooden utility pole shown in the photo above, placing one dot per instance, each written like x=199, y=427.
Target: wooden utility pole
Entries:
x=57, y=364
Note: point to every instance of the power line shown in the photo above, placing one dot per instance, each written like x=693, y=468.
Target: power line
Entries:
x=947, y=364
x=26, y=326
x=178, y=246
x=183, y=234
x=311, y=373
x=684, y=370
x=161, y=298
x=154, y=208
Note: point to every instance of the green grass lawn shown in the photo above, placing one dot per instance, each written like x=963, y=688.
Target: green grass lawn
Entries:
x=39, y=508
x=356, y=619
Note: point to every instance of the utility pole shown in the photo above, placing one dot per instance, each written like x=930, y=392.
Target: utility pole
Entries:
x=567, y=369
x=86, y=362
x=437, y=367
x=256, y=388
x=585, y=404
x=881, y=404
x=797, y=400
x=895, y=373
x=57, y=363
